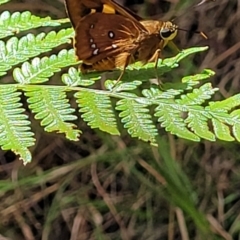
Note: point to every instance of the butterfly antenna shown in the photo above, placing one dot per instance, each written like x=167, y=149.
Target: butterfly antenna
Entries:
x=197, y=32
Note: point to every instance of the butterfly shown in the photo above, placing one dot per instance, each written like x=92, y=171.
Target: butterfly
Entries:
x=109, y=36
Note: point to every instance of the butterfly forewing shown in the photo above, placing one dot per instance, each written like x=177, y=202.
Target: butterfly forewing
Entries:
x=77, y=9
x=102, y=40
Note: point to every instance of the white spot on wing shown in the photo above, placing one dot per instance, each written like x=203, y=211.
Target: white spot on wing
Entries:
x=93, y=45
x=95, y=52
x=111, y=34
x=114, y=46
x=91, y=40
x=92, y=26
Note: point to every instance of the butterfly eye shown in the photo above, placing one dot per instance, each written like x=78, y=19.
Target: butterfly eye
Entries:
x=168, y=31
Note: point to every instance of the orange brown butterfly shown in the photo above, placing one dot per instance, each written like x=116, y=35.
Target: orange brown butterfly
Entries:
x=108, y=36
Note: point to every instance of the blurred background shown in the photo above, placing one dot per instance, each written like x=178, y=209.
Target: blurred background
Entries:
x=106, y=187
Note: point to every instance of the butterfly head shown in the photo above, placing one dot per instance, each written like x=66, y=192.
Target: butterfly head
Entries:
x=168, y=31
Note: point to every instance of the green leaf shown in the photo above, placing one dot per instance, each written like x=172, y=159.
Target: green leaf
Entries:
x=169, y=115
x=17, y=50
x=52, y=107
x=221, y=130
x=15, y=132
x=11, y=24
x=121, y=86
x=171, y=62
x=227, y=104
x=97, y=111
x=40, y=70
x=74, y=78
x=235, y=115
x=198, y=96
x=136, y=118
x=205, y=74
x=197, y=121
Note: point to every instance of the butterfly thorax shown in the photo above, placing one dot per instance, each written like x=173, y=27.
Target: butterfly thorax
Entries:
x=167, y=31
x=158, y=34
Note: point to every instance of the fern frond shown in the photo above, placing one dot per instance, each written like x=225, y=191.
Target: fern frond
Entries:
x=172, y=116
x=227, y=104
x=197, y=121
x=74, y=78
x=223, y=121
x=222, y=130
x=97, y=111
x=40, y=70
x=235, y=116
x=183, y=111
x=169, y=115
x=16, y=22
x=195, y=79
x=198, y=96
x=15, y=132
x=155, y=93
x=137, y=120
x=17, y=50
x=51, y=106
x=173, y=61
x=140, y=72
x=124, y=86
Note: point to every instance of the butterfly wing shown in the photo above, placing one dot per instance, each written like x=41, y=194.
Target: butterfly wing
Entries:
x=97, y=36
x=99, y=43
x=120, y=10
x=77, y=9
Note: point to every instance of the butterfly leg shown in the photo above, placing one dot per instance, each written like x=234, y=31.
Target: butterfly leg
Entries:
x=155, y=58
x=124, y=62
x=121, y=74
